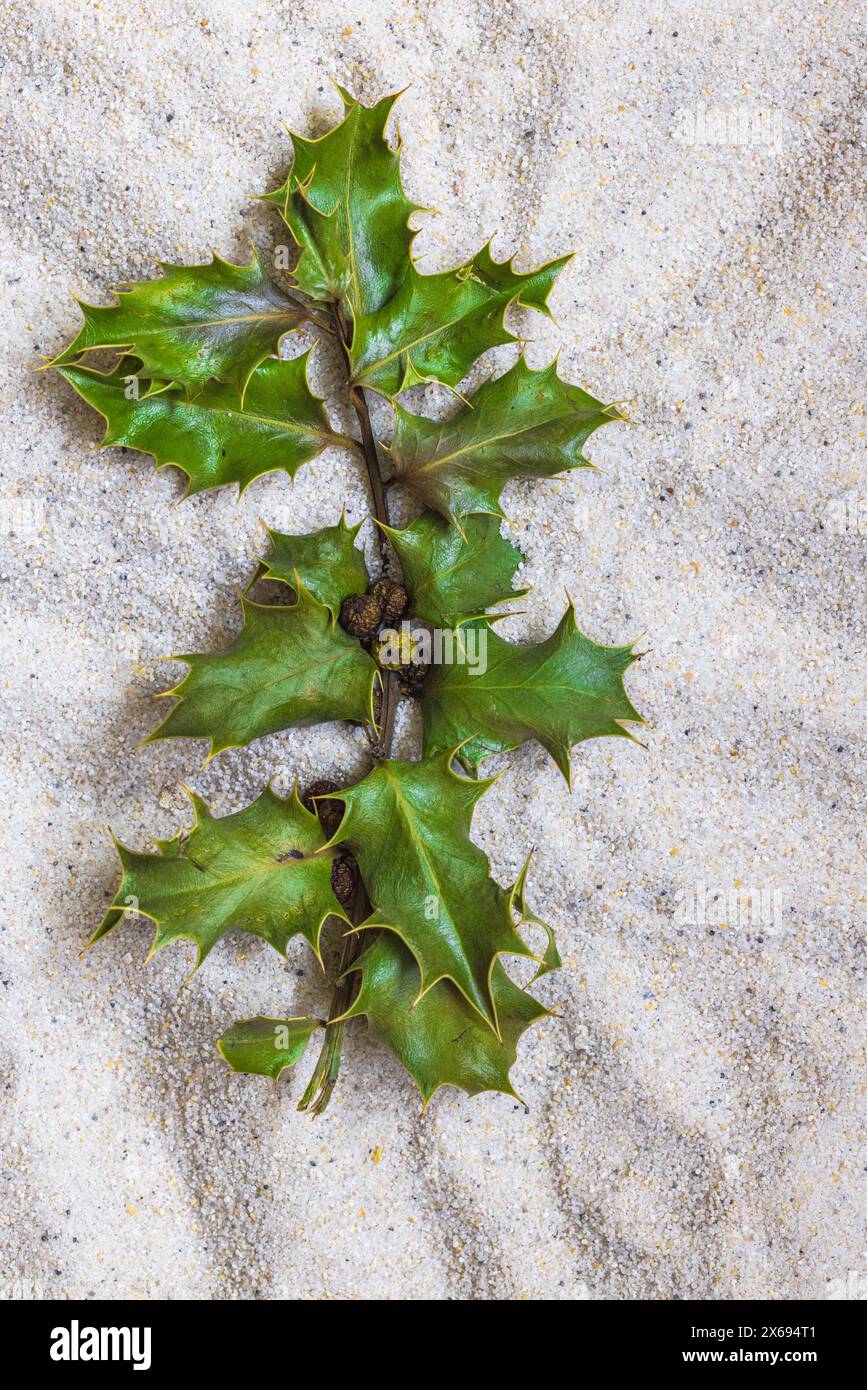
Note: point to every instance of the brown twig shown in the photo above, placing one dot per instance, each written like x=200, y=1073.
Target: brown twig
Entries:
x=325, y=1073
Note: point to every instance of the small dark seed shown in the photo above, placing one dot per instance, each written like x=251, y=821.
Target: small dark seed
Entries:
x=360, y=615
x=392, y=597
x=411, y=679
x=344, y=875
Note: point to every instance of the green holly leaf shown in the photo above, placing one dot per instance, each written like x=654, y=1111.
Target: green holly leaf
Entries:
x=559, y=692
x=439, y=1037
x=524, y=424
x=322, y=271
x=550, y=959
x=435, y=326
x=327, y=562
x=264, y=870
x=198, y=321
x=408, y=826
x=287, y=666
x=216, y=438
x=266, y=1046
x=451, y=577
x=345, y=206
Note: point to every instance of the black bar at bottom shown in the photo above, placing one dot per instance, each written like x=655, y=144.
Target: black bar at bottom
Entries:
x=140, y=1338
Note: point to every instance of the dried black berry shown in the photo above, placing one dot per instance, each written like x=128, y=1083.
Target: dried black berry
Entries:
x=411, y=679
x=392, y=597
x=344, y=877
x=360, y=615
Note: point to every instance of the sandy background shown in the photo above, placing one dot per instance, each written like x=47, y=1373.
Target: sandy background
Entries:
x=695, y=1119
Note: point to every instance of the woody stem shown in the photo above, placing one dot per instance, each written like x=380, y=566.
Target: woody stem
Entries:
x=324, y=1077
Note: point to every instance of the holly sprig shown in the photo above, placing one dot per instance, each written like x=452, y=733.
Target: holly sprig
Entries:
x=200, y=382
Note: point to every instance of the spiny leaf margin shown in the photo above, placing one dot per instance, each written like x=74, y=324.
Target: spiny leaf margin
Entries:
x=272, y=636
x=148, y=320
x=273, y=840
